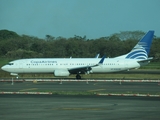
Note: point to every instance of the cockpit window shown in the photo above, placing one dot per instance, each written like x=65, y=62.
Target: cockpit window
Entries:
x=10, y=63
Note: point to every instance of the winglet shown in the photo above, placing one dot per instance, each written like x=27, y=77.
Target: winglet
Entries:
x=97, y=55
x=101, y=61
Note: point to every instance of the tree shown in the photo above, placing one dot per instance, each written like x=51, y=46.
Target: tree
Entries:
x=125, y=35
x=49, y=38
x=5, y=34
x=15, y=46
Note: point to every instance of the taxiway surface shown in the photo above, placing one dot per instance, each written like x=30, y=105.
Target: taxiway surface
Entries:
x=127, y=87
x=52, y=107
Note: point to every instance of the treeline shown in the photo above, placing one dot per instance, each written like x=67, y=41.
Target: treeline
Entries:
x=16, y=46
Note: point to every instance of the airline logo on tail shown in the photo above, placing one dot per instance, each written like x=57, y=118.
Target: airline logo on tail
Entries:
x=141, y=50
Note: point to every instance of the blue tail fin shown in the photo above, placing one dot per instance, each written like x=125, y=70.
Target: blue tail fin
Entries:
x=142, y=49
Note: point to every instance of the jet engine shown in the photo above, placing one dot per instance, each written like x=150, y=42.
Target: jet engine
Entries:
x=61, y=73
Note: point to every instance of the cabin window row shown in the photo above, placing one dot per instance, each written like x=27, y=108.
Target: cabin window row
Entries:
x=73, y=64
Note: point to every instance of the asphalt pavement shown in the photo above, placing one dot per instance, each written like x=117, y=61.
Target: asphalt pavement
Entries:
x=112, y=87
x=52, y=107
x=78, y=107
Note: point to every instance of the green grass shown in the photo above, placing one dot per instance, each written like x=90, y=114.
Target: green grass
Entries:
x=90, y=76
x=152, y=65
x=91, y=93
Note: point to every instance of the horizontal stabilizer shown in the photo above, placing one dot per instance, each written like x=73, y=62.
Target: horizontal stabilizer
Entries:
x=145, y=60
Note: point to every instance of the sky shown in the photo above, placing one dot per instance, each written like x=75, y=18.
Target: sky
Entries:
x=90, y=18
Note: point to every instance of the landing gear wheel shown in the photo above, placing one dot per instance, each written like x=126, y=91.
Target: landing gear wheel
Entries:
x=78, y=76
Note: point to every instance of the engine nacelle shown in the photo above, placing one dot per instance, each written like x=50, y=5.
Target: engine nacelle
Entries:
x=61, y=73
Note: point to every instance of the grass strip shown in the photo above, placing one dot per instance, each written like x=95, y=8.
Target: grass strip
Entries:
x=93, y=92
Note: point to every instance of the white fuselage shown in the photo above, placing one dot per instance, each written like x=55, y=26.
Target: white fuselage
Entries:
x=49, y=65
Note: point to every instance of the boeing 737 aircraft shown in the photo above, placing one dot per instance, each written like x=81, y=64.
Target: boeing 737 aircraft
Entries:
x=62, y=67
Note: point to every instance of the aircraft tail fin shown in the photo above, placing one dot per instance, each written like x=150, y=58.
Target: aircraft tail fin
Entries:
x=142, y=48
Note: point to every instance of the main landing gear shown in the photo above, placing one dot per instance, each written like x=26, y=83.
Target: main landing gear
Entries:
x=78, y=76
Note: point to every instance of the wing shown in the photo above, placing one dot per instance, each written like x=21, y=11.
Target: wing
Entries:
x=85, y=69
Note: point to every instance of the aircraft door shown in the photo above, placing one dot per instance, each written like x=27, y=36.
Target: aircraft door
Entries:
x=126, y=65
x=20, y=65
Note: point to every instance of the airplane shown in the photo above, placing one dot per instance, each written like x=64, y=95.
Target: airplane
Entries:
x=62, y=67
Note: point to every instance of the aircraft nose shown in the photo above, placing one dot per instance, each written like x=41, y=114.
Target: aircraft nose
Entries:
x=3, y=67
